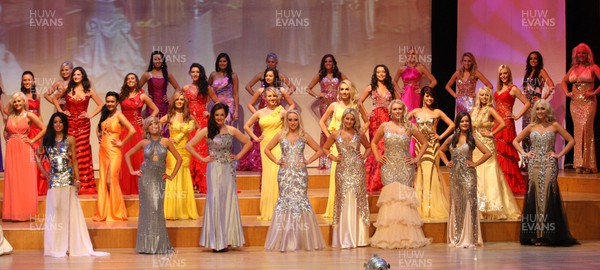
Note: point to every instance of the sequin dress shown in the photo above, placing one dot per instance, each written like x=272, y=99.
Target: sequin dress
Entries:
x=34, y=107
x=398, y=222
x=152, y=237
x=583, y=111
x=197, y=108
x=411, y=78
x=180, y=202
x=270, y=124
x=222, y=226
x=329, y=88
x=532, y=88
x=65, y=230
x=224, y=90
x=20, y=201
x=351, y=212
x=464, y=229
x=465, y=94
x=378, y=115
x=496, y=201
x=334, y=124
x=429, y=186
x=79, y=127
x=252, y=160
x=508, y=157
x=132, y=110
x=294, y=226
x=544, y=221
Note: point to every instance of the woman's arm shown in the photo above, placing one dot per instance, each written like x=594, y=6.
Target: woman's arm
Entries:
x=499, y=120
x=268, y=149
x=248, y=125
x=315, y=146
x=98, y=102
x=236, y=96
x=312, y=84
x=137, y=147
x=325, y=117
x=516, y=92
x=448, y=122
x=450, y=83
x=326, y=147
x=166, y=142
x=427, y=73
x=150, y=104
x=242, y=139
x=484, y=80
x=130, y=130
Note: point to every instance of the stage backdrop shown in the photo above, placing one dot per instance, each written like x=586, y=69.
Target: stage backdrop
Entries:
x=505, y=32
x=111, y=38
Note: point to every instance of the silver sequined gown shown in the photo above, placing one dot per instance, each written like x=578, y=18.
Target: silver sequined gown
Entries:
x=152, y=237
x=222, y=226
x=65, y=230
x=294, y=225
x=543, y=221
x=398, y=221
x=351, y=208
x=463, y=226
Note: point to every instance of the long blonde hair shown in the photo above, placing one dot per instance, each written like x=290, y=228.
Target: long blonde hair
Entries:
x=549, y=112
x=286, y=127
x=353, y=93
x=473, y=69
x=590, y=55
x=478, y=105
x=172, y=110
x=510, y=78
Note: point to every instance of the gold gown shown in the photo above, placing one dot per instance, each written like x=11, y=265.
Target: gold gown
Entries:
x=583, y=110
x=269, y=192
x=180, y=202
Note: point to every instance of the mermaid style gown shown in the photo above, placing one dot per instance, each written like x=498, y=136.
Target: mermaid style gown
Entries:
x=222, y=225
x=34, y=107
x=180, y=202
x=132, y=110
x=583, y=111
x=334, y=124
x=351, y=213
x=532, y=88
x=197, y=109
x=398, y=222
x=270, y=124
x=157, y=90
x=379, y=115
x=329, y=87
x=544, y=221
x=20, y=185
x=224, y=90
x=252, y=160
x=496, y=201
x=429, y=186
x=152, y=237
x=294, y=226
x=508, y=157
x=465, y=94
x=464, y=229
x=65, y=230
x=79, y=127
x=411, y=78
x=110, y=205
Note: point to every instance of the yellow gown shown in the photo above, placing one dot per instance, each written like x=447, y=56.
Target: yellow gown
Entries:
x=269, y=192
x=179, y=192
x=334, y=124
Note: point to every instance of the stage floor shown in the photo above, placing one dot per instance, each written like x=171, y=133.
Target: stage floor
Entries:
x=435, y=256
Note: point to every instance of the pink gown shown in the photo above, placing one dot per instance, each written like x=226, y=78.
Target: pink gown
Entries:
x=79, y=127
x=20, y=184
x=132, y=110
x=378, y=116
x=329, y=87
x=34, y=107
x=508, y=157
x=197, y=109
x=411, y=77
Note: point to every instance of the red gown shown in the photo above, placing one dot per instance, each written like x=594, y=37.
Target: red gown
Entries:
x=42, y=184
x=507, y=155
x=132, y=110
x=197, y=167
x=378, y=116
x=80, y=129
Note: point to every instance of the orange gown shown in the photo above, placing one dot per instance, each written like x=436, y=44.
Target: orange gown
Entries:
x=110, y=205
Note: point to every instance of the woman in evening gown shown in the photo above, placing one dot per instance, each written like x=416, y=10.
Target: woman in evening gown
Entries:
x=20, y=186
x=496, y=201
x=180, y=202
x=411, y=73
x=582, y=75
x=351, y=209
x=346, y=98
x=431, y=189
x=225, y=84
x=222, y=225
x=294, y=226
x=152, y=236
x=270, y=119
x=132, y=99
x=59, y=87
x=466, y=80
x=398, y=222
x=198, y=93
x=77, y=98
x=158, y=78
x=535, y=81
x=463, y=229
x=65, y=230
x=110, y=205
x=382, y=91
x=544, y=221
x=328, y=78
x=507, y=155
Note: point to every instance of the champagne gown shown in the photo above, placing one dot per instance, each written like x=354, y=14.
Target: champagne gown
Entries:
x=583, y=111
